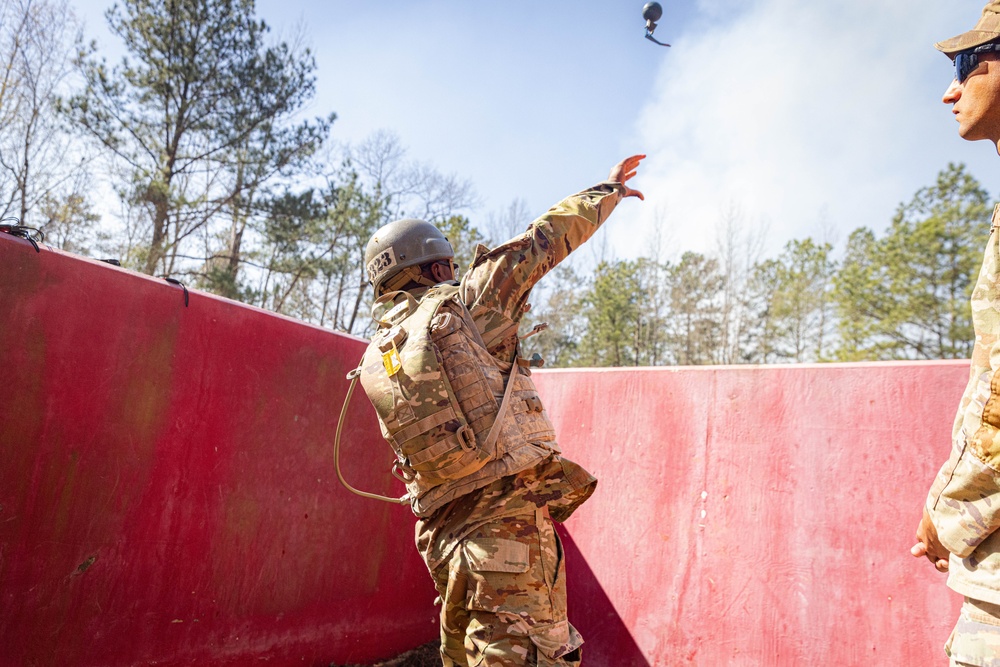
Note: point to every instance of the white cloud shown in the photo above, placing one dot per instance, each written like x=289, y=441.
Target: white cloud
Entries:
x=796, y=112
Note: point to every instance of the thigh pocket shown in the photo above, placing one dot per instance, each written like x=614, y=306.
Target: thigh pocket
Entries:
x=499, y=573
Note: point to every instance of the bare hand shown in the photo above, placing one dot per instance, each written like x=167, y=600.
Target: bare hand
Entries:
x=929, y=545
x=625, y=170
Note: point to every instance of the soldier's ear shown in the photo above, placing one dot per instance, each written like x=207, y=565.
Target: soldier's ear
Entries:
x=441, y=272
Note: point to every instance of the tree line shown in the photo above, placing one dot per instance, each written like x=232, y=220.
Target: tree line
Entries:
x=219, y=179
x=902, y=294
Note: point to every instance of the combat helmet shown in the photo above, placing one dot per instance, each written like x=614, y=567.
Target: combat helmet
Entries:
x=396, y=251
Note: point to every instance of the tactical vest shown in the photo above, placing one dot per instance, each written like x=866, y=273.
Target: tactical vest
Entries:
x=438, y=391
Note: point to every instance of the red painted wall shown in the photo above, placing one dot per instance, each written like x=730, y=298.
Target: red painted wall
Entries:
x=167, y=495
x=757, y=515
x=167, y=491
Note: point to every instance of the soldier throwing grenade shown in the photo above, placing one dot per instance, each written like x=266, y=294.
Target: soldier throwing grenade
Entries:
x=479, y=457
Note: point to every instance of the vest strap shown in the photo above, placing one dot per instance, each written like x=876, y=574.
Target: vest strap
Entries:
x=491, y=439
x=424, y=425
x=437, y=449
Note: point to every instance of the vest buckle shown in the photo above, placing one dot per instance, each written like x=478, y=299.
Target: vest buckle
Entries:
x=466, y=438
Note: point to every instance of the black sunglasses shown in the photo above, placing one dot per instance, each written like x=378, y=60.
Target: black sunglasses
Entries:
x=966, y=62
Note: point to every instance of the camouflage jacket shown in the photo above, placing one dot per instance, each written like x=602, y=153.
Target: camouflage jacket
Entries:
x=498, y=283
x=496, y=290
x=964, y=500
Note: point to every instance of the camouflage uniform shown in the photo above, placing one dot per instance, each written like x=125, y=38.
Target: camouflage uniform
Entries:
x=975, y=640
x=489, y=542
x=964, y=500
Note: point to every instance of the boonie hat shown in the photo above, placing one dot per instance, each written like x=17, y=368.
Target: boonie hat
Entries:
x=986, y=30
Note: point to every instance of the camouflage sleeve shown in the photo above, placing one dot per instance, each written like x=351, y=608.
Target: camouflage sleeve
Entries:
x=497, y=285
x=964, y=501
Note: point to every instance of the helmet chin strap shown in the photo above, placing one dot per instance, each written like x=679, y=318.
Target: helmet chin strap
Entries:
x=411, y=274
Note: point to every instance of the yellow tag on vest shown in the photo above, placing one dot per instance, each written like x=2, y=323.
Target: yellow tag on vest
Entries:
x=390, y=359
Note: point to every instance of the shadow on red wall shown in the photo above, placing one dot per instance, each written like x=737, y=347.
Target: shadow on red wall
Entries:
x=607, y=640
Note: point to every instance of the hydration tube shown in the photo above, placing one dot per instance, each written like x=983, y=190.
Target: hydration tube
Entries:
x=353, y=377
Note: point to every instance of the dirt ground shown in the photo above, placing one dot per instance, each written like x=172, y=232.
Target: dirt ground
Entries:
x=422, y=656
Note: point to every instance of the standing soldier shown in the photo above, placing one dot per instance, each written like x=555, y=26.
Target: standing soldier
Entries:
x=958, y=530
x=473, y=444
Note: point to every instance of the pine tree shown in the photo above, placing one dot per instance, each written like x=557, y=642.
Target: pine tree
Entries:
x=200, y=113
x=905, y=296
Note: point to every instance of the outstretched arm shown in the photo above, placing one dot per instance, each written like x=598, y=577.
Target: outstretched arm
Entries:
x=497, y=285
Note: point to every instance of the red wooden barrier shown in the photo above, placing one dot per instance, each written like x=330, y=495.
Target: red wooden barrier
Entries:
x=757, y=515
x=167, y=495
x=167, y=484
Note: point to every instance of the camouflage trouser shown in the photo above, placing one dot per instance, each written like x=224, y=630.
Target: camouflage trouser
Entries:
x=975, y=641
x=503, y=598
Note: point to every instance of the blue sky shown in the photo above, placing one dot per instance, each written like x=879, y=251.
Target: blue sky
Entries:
x=805, y=119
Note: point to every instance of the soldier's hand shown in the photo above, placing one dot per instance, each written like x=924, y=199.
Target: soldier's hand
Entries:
x=625, y=170
x=928, y=545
